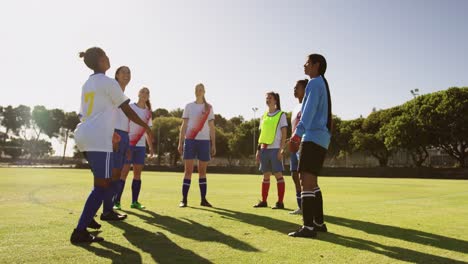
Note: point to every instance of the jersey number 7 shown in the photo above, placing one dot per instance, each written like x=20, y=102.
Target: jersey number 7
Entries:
x=89, y=98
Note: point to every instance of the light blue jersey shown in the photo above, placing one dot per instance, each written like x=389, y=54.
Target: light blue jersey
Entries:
x=313, y=123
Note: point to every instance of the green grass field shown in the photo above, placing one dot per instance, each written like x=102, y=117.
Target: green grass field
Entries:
x=370, y=221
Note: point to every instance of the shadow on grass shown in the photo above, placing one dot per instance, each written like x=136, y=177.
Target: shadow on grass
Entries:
x=394, y=252
x=114, y=252
x=193, y=230
x=158, y=245
x=398, y=253
x=252, y=219
x=410, y=235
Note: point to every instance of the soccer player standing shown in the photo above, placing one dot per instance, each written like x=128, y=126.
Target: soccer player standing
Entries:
x=138, y=146
x=197, y=141
x=299, y=91
x=313, y=133
x=273, y=128
x=123, y=77
x=100, y=97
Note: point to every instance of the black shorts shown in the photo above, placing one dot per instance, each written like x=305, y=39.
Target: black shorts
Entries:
x=311, y=157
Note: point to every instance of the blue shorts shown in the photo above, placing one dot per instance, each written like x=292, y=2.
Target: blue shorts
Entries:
x=120, y=154
x=294, y=161
x=269, y=161
x=137, y=155
x=101, y=163
x=197, y=149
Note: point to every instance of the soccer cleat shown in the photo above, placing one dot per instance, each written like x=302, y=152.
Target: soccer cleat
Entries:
x=112, y=216
x=261, y=204
x=117, y=206
x=320, y=228
x=204, y=202
x=137, y=205
x=304, y=232
x=298, y=211
x=84, y=237
x=183, y=204
x=94, y=224
x=278, y=205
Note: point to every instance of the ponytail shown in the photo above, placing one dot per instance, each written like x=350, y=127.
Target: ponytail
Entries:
x=314, y=58
x=148, y=104
x=278, y=103
x=329, y=119
x=207, y=105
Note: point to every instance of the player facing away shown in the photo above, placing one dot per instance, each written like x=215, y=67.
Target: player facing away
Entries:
x=122, y=76
x=299, y=91
x=313, y=135
x=137, y=151
x=100, y=97
x=272, y=140
x=197, y=141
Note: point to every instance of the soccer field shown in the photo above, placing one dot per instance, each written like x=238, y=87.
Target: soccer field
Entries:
x=370, y=221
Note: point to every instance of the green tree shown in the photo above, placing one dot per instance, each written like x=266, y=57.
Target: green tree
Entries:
x=221, y=122
x=241, y=142
x=444, y=114
x=177, y=112
x=370, y=138
x=69, y=124
x=16, y=118
x=37, y=148
x=408, y=132
x=222, y=143
x=166, y=131
x=161, y=112
x=47, y=121
x=14, y=148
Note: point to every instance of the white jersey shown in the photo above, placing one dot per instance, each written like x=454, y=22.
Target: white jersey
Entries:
x=283, y=122
x=296, y=116
x=100, y=97
x=195, y=113
x=136, y=133
x=121, y=120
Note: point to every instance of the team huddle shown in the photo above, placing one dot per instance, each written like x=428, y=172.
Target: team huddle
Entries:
x=113, y=135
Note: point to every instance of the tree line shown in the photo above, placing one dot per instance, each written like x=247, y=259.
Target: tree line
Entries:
x=432, y=121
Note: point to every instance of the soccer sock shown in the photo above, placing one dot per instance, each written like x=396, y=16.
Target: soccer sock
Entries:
x=318, y=207
x=281, y=189
x=108, y=197
x=299, y=200
x=91, y=206
x=136, y=187
x=121, y=187
x=308, y=198
x=203, y=187
x=265, y=189
x=185, y=189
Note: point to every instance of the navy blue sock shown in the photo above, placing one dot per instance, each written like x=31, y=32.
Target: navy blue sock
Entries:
x=185, y=189
x=308, y=198
x=318, y=207
x=108, y=197
x=203, y=187
x=92, y=204
x=136, y=187
x=299, y=200
x=120, y=191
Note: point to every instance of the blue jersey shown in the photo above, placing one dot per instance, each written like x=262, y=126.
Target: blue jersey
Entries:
x=313, y=123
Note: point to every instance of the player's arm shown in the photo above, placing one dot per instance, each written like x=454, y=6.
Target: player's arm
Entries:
x=183, y=130
x=150, y=145
x=212, y=137
x=284, y=131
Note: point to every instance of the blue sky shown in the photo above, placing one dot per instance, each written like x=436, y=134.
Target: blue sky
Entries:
x=377, y=51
